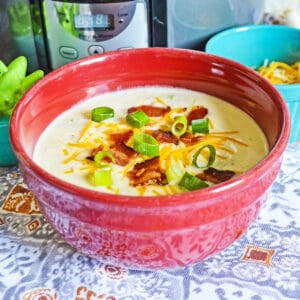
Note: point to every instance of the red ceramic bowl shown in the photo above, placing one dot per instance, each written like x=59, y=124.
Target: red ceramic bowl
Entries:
x=158, y=231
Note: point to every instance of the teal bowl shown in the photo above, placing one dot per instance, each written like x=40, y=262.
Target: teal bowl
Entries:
x=7, y=156
x=252, y=45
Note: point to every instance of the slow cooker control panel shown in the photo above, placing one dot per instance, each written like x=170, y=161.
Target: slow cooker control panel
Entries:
x=75, y=30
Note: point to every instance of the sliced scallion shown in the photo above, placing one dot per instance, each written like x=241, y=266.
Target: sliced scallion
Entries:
x=179, y=126
x=145, y=144
x=192, y=183
x=102, y=155
x=211, y=158
x=101, y=113
x=175, y=172
x=200, y=125
x=102, y=176
x=137, y=119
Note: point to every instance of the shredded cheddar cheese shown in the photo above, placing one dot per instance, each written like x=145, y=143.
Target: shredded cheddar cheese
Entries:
x=280, y=73
x=65, y=152
x=160, y=101
x=85, y=145
x=69, y=171
x=73, y=156
x=170, y=116
x=85, y=130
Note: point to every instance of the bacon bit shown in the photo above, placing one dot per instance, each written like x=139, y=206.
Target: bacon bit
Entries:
x=215, y=176
x=122, y=153
x=163, y=136
x=198, y=112
x=121, y=137
x=151, y=111
x=146, y=173
x=189, y=139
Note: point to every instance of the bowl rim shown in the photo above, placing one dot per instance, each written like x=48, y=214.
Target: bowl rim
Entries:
x=203, y=195
x=253, y=27
x=246, y=28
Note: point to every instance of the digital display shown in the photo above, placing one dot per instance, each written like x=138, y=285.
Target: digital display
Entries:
x=99, y=21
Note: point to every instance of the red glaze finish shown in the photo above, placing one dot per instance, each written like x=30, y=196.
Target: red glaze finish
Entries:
x=150, y=232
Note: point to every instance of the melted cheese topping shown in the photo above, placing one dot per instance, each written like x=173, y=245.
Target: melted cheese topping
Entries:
x=66, y=143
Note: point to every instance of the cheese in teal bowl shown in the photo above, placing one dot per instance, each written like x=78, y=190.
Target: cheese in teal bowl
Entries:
x=256, y=45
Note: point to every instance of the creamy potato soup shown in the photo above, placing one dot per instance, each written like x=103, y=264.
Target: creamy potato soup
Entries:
x=150, y=141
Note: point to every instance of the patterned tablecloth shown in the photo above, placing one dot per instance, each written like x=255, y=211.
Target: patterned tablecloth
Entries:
x=263, y=264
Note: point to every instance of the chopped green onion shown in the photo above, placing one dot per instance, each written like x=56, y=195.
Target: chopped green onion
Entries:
x=179, y=126
x=137, y=119
x=101, y=113
x=200, y=126
x=102, y=176
x=145, y=144
x=211, y=159
x=192, y=183
x=102, y=155
x=175, y=172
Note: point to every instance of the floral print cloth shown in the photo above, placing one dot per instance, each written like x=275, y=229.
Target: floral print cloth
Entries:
x=264, y=264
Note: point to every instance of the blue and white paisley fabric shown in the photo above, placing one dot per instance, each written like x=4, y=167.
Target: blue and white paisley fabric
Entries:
x=40, y=263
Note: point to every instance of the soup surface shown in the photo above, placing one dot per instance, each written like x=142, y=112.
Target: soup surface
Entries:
x=150, y=141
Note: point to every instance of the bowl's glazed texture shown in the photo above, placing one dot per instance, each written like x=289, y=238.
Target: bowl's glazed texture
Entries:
x=150, y=232
x=252, y=45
